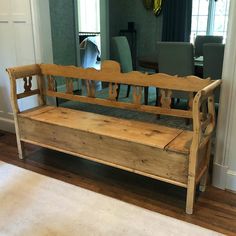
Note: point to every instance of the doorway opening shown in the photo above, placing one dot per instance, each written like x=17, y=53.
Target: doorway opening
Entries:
x=89, y=33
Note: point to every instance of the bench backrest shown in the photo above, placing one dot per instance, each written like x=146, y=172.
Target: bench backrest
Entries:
x=110, y=72
x=199, y=90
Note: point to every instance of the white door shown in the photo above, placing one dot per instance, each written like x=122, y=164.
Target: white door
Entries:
x=16, y=48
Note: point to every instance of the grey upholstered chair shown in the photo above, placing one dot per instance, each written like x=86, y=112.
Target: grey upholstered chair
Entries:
x=120, y=52
x=176, y=58
x=202, y=39
x=213, y=54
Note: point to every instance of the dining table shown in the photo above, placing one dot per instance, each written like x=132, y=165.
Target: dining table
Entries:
x=151, y=62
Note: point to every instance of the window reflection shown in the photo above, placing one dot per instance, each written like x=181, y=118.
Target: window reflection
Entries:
x=209, y=17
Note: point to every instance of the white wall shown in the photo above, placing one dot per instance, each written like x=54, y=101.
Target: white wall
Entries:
x=42, y=31
x=17, y=48
x=25, y=39
x=224, y=175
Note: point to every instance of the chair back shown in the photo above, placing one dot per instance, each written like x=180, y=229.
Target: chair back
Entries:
x=213, y=54
x=175, y=58
x=202, y=39
x=120, y=52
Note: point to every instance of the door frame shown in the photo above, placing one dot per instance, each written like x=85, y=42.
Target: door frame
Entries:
x=104, y=28
x=41, y=31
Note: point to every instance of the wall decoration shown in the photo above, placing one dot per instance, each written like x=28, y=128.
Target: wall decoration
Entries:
x=154, y=5
x=157, y=5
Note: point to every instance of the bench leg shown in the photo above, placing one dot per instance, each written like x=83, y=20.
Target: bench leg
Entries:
x=20, y=147
x=203, y=182
x=20, y=144
x=204, y=179
x=190, y=195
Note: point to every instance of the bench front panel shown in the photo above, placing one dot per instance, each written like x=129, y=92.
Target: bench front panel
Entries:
x=131, y=156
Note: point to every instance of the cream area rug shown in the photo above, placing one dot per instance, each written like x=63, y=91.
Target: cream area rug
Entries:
x=33, y=204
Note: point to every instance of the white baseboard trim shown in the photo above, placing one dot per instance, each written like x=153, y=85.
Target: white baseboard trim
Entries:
x=7, y=125
x=231, y=180
x=219, y=176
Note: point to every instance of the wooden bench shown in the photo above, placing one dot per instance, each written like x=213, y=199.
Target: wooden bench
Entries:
x=173, y=155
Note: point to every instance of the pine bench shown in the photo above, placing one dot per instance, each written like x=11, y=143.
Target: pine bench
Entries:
x=173, y=155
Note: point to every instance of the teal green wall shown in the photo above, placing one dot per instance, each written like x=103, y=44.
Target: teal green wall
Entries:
x=104, y=22
x=63, y=28
x=148, y=26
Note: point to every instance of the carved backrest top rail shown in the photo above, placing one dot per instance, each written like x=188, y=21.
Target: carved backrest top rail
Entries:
x=110, y=72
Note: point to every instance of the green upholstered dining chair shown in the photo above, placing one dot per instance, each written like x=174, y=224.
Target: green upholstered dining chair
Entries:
x=120, y=52
x=176, y=58
x=203, y=39
x=213, y=54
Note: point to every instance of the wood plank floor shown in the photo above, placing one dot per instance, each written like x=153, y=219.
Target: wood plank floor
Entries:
x=215, y=209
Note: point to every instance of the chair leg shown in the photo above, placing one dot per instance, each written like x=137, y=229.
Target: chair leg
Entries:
x=157, y=97
x=190, y=195
x=203, y=182
x=158, y=101
x=128, y=91
x=172, y=102
x=146, y=95
x=118, y=92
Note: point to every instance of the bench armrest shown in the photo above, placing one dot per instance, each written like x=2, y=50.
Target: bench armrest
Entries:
x=23, y=77
x=204, y=117
x=210, y=88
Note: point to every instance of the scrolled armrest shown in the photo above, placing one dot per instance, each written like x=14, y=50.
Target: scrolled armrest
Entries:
x=204, y=127
x=210, y=88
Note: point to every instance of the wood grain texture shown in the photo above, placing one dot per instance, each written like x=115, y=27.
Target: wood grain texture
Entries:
x=128, y=155
x=149, y=134
x=182, y=143
x=215, y=209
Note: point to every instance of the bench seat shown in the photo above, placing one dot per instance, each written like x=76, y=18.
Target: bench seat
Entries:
x=129, y=144
x=150, y=134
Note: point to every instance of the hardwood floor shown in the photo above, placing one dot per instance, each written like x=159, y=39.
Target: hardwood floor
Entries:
x=215, y=209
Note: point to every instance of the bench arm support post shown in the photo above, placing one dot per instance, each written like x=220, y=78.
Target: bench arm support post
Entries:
x=26, y=73
x=202, y=132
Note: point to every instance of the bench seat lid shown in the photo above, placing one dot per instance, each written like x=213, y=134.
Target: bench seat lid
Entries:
x=158, y=136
